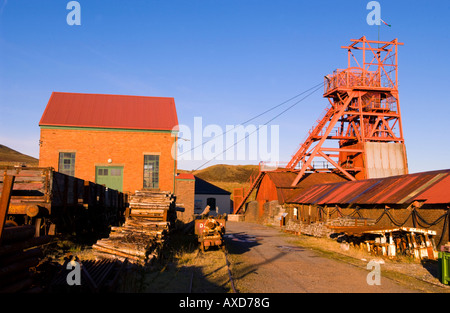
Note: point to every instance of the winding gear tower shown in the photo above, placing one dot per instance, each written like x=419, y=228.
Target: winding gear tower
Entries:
x=360, y=134
x=363, y=117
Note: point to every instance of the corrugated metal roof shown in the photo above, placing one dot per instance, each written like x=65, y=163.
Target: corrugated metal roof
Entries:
x=283, y=179
x=430, y=187
x=110, y=111
x=438, y=194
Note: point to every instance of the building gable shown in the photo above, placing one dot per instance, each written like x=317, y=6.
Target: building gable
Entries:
x=205, y=188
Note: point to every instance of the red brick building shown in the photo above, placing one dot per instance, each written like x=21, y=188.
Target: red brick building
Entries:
x=124, y=142
x=185, y=191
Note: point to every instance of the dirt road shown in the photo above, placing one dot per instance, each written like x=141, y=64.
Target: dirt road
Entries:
x=266, y=261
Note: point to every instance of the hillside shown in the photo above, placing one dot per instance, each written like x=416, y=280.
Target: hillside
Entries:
x=227, y=173
x=9, y=156
x=226, y=176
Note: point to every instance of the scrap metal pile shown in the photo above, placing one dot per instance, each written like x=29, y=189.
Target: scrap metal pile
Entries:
x=149, y=218
x=390, y=241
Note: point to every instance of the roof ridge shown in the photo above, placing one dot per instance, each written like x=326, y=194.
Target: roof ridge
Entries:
x=90, y=110
x=108, y=94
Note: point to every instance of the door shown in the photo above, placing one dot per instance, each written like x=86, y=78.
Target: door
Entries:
x=110, y=176
x=212, y=204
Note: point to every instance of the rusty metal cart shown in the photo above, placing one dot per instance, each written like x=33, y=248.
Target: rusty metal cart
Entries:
x=210, y=231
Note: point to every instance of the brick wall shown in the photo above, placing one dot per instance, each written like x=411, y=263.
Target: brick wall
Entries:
x=185, y=192
x=125, y=148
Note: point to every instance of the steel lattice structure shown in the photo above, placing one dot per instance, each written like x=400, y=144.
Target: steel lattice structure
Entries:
x=364, y=108
x=360, y=133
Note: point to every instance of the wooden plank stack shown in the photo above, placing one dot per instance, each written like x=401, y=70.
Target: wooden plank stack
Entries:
x=149, y=218
x=153, y=205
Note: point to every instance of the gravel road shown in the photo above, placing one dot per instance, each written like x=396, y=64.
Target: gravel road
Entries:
x=264, y=260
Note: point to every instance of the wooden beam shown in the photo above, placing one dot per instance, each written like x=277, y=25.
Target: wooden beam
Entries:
x=8, y=183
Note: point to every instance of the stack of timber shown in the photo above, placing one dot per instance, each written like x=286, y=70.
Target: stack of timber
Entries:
x=153, y=206
x=20, y=252
x=150, y=217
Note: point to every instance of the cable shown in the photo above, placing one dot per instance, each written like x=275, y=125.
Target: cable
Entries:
x=255, y=117
x=276, y=116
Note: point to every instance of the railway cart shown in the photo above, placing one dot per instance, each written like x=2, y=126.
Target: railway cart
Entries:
x=210, y=231
x=59, y=203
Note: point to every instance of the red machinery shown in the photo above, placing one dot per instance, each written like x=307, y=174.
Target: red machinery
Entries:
x=210, y=231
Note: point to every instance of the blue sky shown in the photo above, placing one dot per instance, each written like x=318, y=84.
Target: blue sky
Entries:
x=222, y=60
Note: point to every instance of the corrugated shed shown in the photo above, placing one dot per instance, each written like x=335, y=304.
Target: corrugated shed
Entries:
x=281, y=182
x=282, y=179
x=430, y=187
x=110, y=111
x=439, y=193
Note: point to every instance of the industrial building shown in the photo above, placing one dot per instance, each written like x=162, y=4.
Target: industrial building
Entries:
x=353, y=162
x=418, y=200
x=208, y=194
x=123, y=142
x=277, y=186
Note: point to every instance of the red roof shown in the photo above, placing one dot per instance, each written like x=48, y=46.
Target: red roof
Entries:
x=110, y=111
x=430, y=187
x=185, y=176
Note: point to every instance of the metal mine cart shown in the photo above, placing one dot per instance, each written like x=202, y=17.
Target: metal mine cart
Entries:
x=210, y=231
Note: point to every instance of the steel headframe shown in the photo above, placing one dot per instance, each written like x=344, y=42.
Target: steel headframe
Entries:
x=364, y=107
